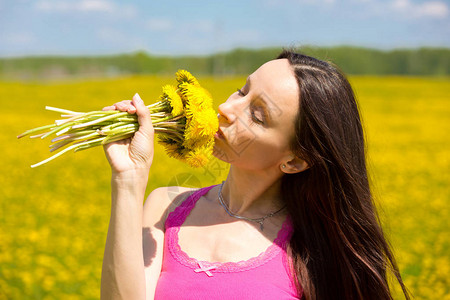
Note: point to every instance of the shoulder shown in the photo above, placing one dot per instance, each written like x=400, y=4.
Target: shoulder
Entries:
x=161, y=202
x=156, y=208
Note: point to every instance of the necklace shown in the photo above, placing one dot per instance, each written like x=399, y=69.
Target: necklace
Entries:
x=260, y=221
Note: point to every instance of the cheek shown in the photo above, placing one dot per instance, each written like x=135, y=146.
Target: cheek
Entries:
x=252, y=146
x=241, y=135
x=266, y=150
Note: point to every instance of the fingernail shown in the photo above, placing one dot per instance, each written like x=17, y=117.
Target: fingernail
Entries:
x=137, y=97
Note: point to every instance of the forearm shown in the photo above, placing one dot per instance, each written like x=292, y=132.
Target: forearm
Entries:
x=123, y=266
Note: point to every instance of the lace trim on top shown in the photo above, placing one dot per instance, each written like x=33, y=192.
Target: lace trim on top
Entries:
x=179, y=215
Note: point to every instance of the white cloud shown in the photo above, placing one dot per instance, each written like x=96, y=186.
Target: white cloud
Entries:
x=435, y=9
x=84, y=6
x=67, y=6
x=95, y=5
x=429, y=9
x=277, y=3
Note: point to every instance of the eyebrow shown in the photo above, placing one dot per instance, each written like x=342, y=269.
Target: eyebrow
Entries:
x=262, y=101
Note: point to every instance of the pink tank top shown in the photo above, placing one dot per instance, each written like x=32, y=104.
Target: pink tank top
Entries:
x=266, y=276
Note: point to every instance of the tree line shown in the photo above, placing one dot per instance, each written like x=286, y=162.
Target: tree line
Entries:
x=352, y=60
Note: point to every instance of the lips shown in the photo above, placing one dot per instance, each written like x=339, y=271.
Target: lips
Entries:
x=219, y=134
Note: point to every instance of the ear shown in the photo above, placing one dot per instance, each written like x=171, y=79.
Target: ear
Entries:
x=294, y=165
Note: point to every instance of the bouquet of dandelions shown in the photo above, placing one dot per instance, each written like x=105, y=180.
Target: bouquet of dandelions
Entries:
x=183, y=119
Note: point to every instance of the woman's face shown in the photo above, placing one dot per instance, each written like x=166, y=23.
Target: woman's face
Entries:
x=256, y=123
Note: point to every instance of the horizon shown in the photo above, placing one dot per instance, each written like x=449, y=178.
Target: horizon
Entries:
x=221, y=52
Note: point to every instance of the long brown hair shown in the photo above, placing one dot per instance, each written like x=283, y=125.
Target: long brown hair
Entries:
x=338, y=247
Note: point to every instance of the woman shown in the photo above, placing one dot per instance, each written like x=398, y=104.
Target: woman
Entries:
x=294, y=218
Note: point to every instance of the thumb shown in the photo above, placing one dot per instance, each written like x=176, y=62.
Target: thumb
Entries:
x=143, y=113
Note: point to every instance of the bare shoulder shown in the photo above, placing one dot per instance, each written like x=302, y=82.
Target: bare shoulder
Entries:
x=161, y=202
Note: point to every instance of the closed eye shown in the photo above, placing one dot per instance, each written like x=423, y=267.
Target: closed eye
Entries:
x=253, y=111
x=255, y=118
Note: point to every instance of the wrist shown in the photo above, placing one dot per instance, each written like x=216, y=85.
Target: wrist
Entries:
x=133, y=180
x=135, y=174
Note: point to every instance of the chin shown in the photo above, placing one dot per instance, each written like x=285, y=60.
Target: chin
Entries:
x=221, y=155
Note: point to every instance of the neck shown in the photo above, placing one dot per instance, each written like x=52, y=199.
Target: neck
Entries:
x=252, y=194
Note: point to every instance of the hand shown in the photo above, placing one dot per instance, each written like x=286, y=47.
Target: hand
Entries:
x=136, y=153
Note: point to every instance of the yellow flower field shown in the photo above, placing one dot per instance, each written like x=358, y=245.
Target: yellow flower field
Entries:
x=54, y=219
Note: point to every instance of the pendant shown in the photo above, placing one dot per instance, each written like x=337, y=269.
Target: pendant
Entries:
x=261, y=226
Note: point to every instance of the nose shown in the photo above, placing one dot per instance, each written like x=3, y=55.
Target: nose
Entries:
x=229, y=109
x=224, y=112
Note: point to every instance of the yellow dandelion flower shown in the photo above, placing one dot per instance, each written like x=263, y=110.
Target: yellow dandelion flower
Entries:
x=173, y=148
x=203, y=123
x=170, y=94
x=174, y=151
x=199, y=157
x=195, y=97
x=184, y=76
x=196, y=141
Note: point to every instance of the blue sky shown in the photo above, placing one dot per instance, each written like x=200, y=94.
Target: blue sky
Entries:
x=80, y=27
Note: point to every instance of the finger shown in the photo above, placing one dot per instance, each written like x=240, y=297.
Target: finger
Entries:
x=144, y=118
x=131, y=109
x=128, y=108
x=111, y=107
x=120, y=106
x=124, y=105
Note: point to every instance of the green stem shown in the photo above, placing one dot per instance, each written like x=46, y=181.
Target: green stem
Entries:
x=64, y=111
x=73, y=135
x=111, y=139
x=35, y=130
x=96, y=121
x=58, y=129
x=84, y=147
x=64, y=151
